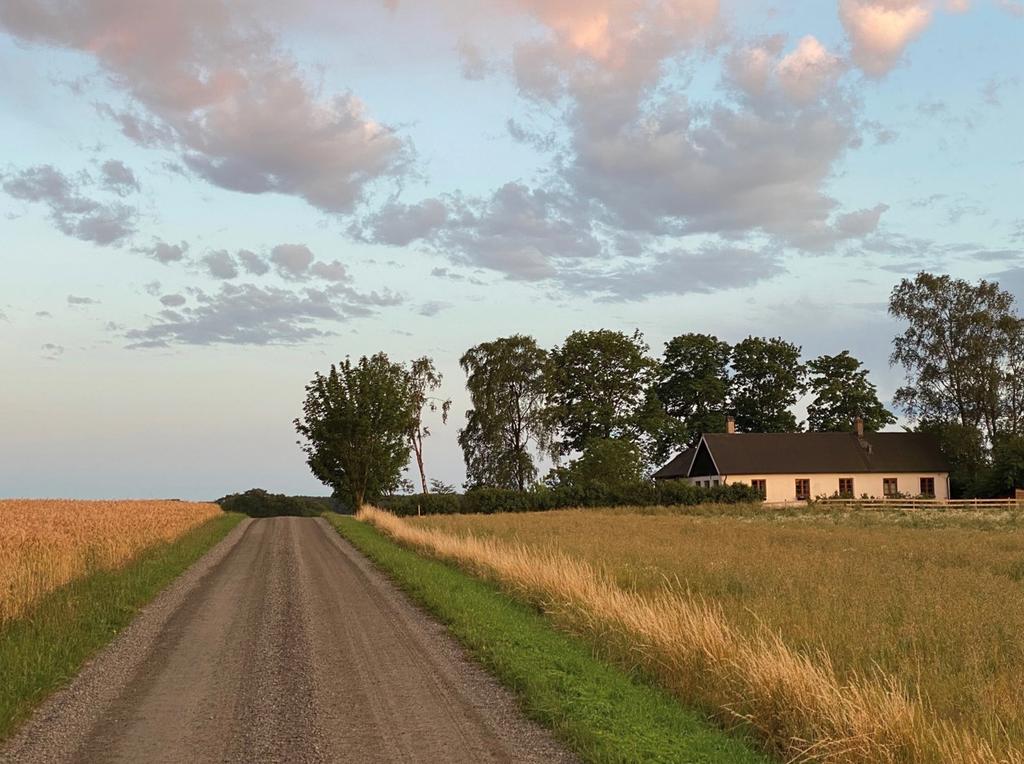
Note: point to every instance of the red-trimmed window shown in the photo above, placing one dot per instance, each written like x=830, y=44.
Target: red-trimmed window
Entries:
x=803, y=489
x=761, y=486
x=890, y=487
x=846, y=488
x=928, y=487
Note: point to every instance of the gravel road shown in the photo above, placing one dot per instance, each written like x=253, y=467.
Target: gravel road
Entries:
x=282, y=644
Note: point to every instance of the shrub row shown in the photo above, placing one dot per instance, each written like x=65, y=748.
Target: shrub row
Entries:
x=491, y=500
x=258, y=503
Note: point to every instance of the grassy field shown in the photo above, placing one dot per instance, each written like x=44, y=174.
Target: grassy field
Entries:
x=47, y=543
x=598, y=710
x=849, y=636
x=113, y=568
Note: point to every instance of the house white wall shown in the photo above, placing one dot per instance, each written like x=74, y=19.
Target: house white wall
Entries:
x=782, y=488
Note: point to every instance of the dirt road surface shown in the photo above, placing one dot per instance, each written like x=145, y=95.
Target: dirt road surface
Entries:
x=283, y=644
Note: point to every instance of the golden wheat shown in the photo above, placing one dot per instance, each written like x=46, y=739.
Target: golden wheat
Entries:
x=45, y=544
x=793, y=701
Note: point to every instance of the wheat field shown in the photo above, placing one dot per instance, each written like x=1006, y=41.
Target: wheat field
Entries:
x=845, y=639
x=47, y=543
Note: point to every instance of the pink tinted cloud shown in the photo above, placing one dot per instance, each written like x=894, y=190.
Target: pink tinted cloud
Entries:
x=880, y=30
x=223, y=93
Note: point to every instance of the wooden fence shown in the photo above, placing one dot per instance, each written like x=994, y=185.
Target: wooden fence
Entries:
x=908, y=504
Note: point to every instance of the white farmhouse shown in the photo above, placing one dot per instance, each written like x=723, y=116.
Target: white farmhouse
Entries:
x=787, y=467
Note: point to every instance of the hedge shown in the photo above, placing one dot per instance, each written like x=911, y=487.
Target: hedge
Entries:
x=258, y=503
x=491, y=500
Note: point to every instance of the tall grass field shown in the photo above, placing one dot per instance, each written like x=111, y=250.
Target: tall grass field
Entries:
x=47, y=543
x=833, y=636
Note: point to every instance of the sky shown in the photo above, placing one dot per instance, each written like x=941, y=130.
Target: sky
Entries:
x=203, y=202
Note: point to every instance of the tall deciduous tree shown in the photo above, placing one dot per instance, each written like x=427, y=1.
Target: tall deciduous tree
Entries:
x=355, y=424
x=843, y=392
x=767, y=380
x=599, y=384
x=508, y=386
x=955, y=350
x=693, y=384
x=424, y=379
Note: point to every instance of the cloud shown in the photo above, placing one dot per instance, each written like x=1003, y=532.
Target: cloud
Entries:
x=173, y=300
x=614, y=34
x=880, y=30
x=471, y=60
x=51, y=351
x=726, y=170
x=401, y=224
x=74, y=214
x=252, y=263
x=332, y=271
x=809, y=71
x=246, y=314
x=862, y=222
x=521, y=232
x=676, y=272
x=207, y=81
x=433, y=307
x=221, y=265
x=75, y=300
x=1013, y=7
x=118, y=177
x=165, y=253
x=292, y=260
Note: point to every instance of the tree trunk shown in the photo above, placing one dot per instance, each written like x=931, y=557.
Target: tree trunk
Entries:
x=417, y=447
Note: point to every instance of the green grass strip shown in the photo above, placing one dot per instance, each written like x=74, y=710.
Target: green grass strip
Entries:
x=599, y=711
x=47, y=647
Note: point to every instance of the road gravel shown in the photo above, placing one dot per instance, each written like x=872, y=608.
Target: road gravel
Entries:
x=283, y=644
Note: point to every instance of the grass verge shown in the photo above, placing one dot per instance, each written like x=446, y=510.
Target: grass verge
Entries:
x=601, y=712
x=47, y=645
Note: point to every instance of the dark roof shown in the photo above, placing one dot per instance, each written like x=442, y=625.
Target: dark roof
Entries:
x=678, y=467
x=817, y=452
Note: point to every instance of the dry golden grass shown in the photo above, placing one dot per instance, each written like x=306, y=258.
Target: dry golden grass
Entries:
x=741, y=616
x=44, y=543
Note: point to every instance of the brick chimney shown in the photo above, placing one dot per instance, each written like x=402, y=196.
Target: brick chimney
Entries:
x=730, y=424
x=858, y=425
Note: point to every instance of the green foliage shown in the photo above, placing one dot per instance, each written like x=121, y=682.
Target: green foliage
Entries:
x=644, y=493
x=767, y=380
x=258, y=503
x=969, y=475
x=693, y=385
x=48, y=646
x=423, y=504
x=356, y=424
x=960, y=350
x=508, y=384
x=603, y=713
x=842, y=392
x=598, y=387
x=606, y=465
x=439, y=486
x=1007, y=465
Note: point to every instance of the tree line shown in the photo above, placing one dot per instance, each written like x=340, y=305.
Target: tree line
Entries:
x=606, y=413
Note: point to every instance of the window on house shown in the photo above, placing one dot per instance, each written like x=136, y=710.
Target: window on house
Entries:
x=928, y=487
x=890, y=487
x=803, y=489
x=707, y=483
x=846, y=487
x=714, y=481
x=761, y=486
